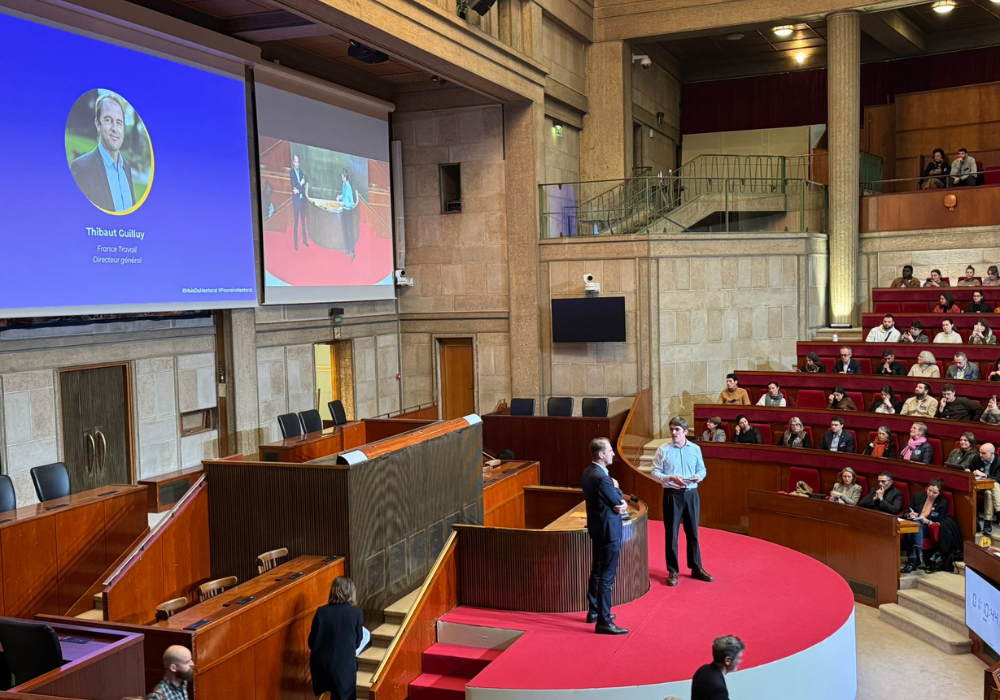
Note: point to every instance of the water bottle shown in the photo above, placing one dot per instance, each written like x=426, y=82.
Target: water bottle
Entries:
x=836, y=338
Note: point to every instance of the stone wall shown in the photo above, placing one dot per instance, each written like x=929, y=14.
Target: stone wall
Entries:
x=30, y=427
x=564, y=56
x=657, y=89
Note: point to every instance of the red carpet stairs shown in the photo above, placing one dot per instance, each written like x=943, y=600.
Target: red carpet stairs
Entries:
x=446, y=670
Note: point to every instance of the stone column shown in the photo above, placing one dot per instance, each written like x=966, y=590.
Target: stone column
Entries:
x=242, y=388
x=606, y=141
x=844, y=136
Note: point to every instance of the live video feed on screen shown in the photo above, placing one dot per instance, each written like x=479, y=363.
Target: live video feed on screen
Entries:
x=325, y=200
x=128, y=178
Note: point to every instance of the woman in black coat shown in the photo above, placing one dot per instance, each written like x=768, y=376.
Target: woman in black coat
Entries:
x=925, y=508
x=336, y=634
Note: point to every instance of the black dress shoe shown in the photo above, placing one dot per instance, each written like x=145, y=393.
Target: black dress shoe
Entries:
x=702, y=575
x=908, y=568
x=610, y=628
x=672, y=579
x=987, y=528
x=592, y=617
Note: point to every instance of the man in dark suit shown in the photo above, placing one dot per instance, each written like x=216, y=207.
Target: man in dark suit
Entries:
x=886, y=498
x=846, y=365
x=298, y=179
x=837, y=439
x=605, y=507
x=709, y=682
x=103, y=175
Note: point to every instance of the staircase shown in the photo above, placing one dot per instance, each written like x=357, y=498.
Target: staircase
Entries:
x=447, y=669
x=382, y=637
x=932, y=608
x=648, y=452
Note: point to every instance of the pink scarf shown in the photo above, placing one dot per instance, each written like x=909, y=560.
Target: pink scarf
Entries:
x=911, y=444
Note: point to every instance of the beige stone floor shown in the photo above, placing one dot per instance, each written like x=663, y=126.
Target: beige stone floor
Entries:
x=892, y=665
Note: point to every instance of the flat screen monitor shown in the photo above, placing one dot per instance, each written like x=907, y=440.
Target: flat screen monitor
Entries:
x=982, y=607
x=588, y=320
x=326, y=201
x=127, y=185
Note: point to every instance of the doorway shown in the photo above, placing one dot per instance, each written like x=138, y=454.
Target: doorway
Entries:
x=458, y=377
x=334, y=363
x=96, y=425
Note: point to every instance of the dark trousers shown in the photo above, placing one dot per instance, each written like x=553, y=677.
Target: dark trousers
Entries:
x=603, y=568
x=681, y=506
x=298, y=212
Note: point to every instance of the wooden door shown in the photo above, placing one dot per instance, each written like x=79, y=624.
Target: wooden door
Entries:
x=458, y=383
x=79, y=443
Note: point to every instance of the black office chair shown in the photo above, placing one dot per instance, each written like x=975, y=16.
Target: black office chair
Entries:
x=596, y=408
x=522, y=407
x=559, y=406
x=51, y=481
x=8, y=499
x=311, y=421
x=290, y=425
x=337, y=412
x=31, y=648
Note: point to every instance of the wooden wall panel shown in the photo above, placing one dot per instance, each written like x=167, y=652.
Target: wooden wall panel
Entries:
x=908, y=211
x=281, y=663
x=382, y=428
x=637, y=431
x=234, y=678
x=81, y=556
x=879, y=136
x=30, y=569
x=125, y=521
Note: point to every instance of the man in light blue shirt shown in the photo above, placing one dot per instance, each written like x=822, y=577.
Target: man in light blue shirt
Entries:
x=103, y=174
x=679, y=467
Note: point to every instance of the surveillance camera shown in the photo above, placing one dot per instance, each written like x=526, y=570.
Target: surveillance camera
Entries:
x=402, y=280
x=588, y=278
x=590, y=286
x=645, y=63
x=643, y=60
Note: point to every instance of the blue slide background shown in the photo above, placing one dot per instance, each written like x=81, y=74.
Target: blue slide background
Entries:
x=197, y=218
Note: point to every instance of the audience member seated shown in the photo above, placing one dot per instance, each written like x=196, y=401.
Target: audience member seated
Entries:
x=796, y=435
x=713, y=433
x=840, y=401
x=964, y=172
x=977, y=305
x=987, y=466
x=917, y=448
x=936, y=171
x=886, y=333
x=970, y=278
x=889, y=365
x=947, y=304
x=925, y=508
x=886, y=498
x=847, y=490
x=907, y=280
x=887, y=402
x=992, y=278
x=746, y=433
x=845, y=365
x=837, y=439
x=772, y=397
x=921, y=404
x=962, y=369
x=948, y=333
x=964, y=455
x=813, y=364
x=936, y=280
x=925, y=366
x=991, y=416
x=914, y=334
x=951, y=407
x=982, y=334
x=732, y=394
x=883, y=446
x=994, y=375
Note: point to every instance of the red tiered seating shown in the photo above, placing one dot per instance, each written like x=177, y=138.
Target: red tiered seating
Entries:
x=811, y=398
x=905, y=489
x=887, y=307
x=873, y=433
x=858, y=400
x=863, y=481
x=810, y=476
x=938, y=458
x=765, y=432
x=917, y=307
x=866, y=365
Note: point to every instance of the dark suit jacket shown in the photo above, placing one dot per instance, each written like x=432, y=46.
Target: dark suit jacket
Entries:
x=334, y=640
x=892, y=501
x=895, y=368
x=853, y=367
x=993, y=471
x=938, y=510
x=603, y=523
x=299, y=183
x=709, y=683
x=92, y=179
x=921, y=453
x=846, y=443
x=749, y=437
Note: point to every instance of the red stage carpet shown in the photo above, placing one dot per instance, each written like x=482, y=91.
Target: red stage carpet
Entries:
x=316, y=266
x=779, y=602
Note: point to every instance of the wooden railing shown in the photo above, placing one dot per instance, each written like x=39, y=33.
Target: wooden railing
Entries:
x=637, y=432
x=402, y=661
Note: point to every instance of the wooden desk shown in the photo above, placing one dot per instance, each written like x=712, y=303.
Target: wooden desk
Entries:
x=574, y=519
x=51, y=553
x=561, y=446
x=859, y=544
x=166, y=489
x=314, y=445
x=503, y=493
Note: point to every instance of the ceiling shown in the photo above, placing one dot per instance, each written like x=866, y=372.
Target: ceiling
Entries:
x=908, y=31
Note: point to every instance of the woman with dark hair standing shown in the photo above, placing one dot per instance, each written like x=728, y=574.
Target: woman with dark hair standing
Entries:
x=336, y=636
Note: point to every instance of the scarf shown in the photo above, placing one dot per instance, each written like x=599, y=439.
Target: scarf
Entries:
x=773, y=400
x=911, y=445
x=878, y=447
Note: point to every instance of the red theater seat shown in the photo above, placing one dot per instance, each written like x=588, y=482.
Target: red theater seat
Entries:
x=866, y=365
x=828, y=362
x=810, y=476
x=935, y=528
x=858, y=400
x=811, y=398
x=858, y=449
x=938, y=458
x=725, y=428
x=917, y=307
x=863, y=481
x=766, y=433
x=871, y=438
x=940, y=368
x=947, y=280
x=886, y=307
x=904, y=488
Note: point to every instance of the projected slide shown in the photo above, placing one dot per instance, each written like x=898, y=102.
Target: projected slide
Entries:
x=128, y=179
x=325, y=201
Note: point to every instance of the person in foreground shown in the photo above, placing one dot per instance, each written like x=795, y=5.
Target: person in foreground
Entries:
x=847, y=490
x=178, y=669
x=337, y=633
x=605, y=507
x=925, y=508
x=679, y=467
x=709, y=682
x=886, y=498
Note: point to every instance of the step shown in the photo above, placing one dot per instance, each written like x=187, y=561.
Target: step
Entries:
x=909, y=581
x=925, y=629
x=950, y=587
x=370, y=658
x=454, y=660
x=960, y=567
x=431, y=686
x=397, y=611
x=93, y=614
x=363, y=683
x=652, y=446
x=98, y=601
x=385, y=633
x=936, y=608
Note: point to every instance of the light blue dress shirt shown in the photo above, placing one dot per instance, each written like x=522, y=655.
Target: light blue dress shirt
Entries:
x=121, y=195
x=347, y=196
x=685, y=462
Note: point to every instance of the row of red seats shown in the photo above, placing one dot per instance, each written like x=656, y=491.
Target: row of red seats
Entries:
x=866, y=364
x=905, y=307
x=814, y=398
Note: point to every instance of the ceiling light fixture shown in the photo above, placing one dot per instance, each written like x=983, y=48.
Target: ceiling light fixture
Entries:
x=943, y=7
x=800, y=58
x=786, y=30
x=736, y=36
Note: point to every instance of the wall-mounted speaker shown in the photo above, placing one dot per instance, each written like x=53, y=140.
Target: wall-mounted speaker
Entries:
x=481, y=6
